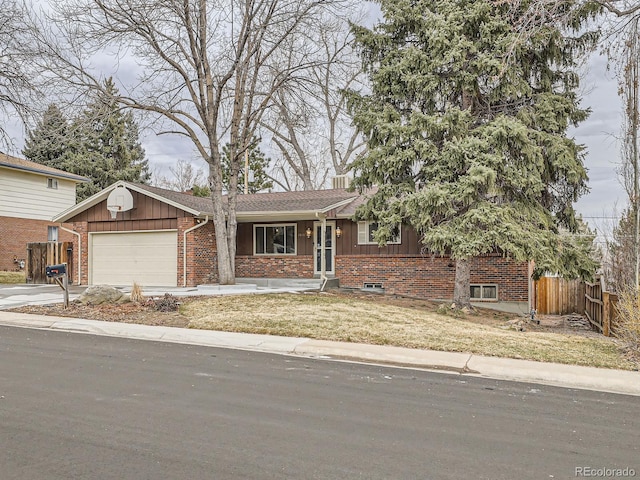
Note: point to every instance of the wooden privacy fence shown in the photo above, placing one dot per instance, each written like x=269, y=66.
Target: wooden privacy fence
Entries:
x=600, y=306
x=39, y=255
x=557, y=296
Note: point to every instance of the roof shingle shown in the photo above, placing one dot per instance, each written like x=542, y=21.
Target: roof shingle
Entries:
x=275, y=202
x=26, y=165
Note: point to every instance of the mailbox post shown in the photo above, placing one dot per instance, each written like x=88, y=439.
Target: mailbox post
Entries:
x=59, y=274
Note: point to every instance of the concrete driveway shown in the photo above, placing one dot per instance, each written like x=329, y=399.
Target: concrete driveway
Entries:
x=26, y=294
x=23, y=294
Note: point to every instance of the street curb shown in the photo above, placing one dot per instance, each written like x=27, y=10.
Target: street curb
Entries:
x=568, y=376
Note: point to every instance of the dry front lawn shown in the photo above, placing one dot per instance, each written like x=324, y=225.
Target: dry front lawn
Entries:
x=330, y=316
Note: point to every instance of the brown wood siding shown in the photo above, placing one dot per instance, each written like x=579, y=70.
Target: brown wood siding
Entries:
x=244, y=239
x=128, y=226
x=347, y=244
x=147, y=214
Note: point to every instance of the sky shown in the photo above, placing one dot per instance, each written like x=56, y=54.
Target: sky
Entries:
x=598, y=133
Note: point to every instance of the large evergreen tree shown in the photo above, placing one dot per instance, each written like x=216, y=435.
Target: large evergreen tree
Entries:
x=107, y=146
x=47, y=143
x=102, y=144
x=467, y=131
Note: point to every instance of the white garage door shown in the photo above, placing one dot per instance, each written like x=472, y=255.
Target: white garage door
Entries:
x=146, y=258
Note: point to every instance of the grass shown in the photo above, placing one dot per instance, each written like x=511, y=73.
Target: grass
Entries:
x=12, y=277
x=342, y=318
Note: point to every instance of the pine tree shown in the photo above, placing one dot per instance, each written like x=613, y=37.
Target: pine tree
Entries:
x=258, y=163
x=47, y=143
x=107, y=146
x=102, y=144
x=467, y=132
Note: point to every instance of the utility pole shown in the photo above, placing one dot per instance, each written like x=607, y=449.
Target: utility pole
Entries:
x=246, y=171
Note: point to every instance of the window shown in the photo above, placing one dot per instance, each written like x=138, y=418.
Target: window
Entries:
x=52, y=183
x=366, y=231
x=484, y=292
x=52, y=234
x=275, y=239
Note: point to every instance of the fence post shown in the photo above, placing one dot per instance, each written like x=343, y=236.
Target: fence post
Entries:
x=606, y=314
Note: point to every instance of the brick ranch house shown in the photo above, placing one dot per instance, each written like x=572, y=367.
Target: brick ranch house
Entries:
x=158, y=237
x=30, y=194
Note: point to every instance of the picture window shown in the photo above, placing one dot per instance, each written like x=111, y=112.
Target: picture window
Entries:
x=275, y=239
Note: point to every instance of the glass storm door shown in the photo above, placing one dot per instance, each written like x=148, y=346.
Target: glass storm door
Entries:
x=328, y=245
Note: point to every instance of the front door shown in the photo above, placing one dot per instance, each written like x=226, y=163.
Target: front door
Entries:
x=328, y=245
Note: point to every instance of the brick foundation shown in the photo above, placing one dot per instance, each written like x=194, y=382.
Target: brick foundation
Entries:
x=432, y=277
x=294, y=266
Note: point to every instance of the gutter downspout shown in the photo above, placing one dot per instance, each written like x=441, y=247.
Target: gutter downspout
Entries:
x=79, y=250
x=184, y=248
x=323, y=251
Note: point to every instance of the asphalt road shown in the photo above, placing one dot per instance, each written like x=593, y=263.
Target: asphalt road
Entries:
x=76, y=406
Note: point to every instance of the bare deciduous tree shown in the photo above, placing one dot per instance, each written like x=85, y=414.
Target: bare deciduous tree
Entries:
x=208, y=69
x=628, y=50
x=183, y=177
x=18, y=90
x=309, y=124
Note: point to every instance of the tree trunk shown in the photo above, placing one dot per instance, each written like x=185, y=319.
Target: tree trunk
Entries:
x=226, y=257
x=462, y=288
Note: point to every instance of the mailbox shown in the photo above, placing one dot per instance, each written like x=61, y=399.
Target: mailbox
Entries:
x=53, y=271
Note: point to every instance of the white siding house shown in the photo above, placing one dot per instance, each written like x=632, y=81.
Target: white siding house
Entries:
x=30, y=196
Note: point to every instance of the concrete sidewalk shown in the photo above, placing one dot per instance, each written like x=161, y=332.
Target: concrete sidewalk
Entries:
x=614, y=381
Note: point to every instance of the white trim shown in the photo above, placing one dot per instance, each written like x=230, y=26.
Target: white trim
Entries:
x=331, y=224
x=104, y=194
x=285, y=254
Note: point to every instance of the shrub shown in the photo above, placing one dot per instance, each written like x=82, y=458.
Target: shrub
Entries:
x=627, y=326
x=168, y=303
x=136, y=293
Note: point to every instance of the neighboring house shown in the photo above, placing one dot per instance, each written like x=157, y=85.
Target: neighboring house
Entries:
x=164, y=238
x=30, y=195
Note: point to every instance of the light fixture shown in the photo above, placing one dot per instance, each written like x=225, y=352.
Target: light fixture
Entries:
x=338, y=232
x=308, y=232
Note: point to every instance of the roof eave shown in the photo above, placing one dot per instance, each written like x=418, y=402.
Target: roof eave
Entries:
x=68, y=176
x=103, y=194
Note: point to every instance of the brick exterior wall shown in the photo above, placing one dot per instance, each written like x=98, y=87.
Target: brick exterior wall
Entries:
x=432, y=277
x=15, y=233
x=512, y=277
x=294, y=266
x=202, y=261
x=202, y=265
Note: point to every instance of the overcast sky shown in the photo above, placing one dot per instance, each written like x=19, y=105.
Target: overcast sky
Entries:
x=598, y=134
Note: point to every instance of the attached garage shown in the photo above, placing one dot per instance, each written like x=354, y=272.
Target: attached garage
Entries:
x=148, y=258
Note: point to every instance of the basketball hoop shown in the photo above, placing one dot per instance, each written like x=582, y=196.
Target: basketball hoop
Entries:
x=119, y=200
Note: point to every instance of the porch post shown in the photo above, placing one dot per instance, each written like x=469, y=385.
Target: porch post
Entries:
x=323, y=251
